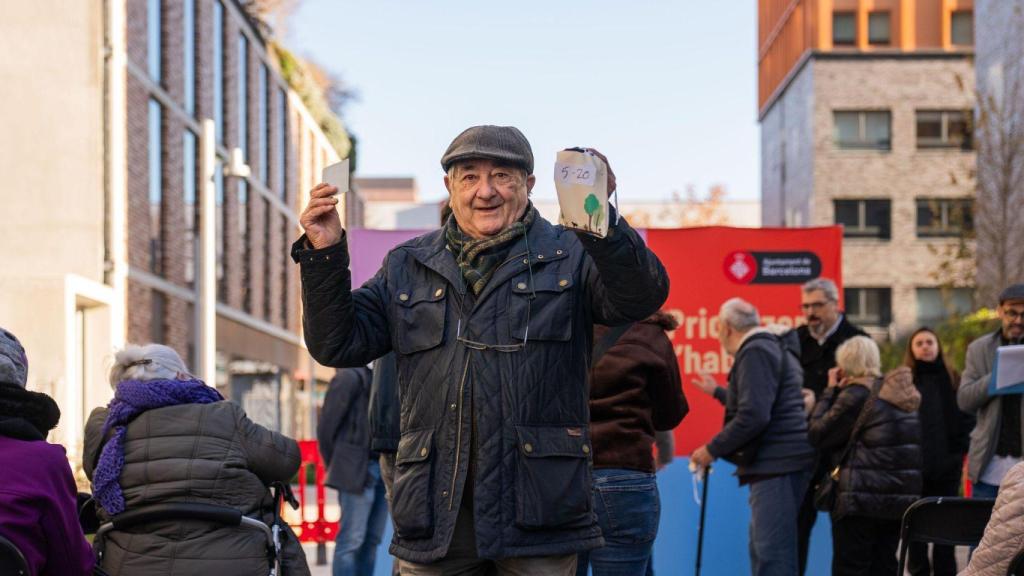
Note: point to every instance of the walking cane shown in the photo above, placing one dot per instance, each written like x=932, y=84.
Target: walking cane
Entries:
x=703, y=509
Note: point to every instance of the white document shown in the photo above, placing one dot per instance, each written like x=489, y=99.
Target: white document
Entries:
x=1009, y=369
x=581, y=180
x=337, y=175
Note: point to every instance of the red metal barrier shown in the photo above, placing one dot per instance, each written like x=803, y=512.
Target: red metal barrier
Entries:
x=318, y=529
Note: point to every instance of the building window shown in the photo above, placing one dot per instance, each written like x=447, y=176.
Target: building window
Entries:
x=153, y=44
x=282, y=144
x=936, y=305
x=944, y=217
x=268, y=258
x=189, y=194
x=218, y=183
x=864, y=218
x=263, y=124
x=189, y=49
x=962, y=28
x=157, y=316
x=156, y=188
x=218, y=69
x=285, y=265
x=243, y=233
x=944, y=129
x=868, y=306
x=879, y=30
x=243, y=94
x=862, y=130
x=844, y=28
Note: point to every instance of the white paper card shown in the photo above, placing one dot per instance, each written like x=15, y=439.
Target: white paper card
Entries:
x=337, y=175
x=581, y=180
x=1009, y=366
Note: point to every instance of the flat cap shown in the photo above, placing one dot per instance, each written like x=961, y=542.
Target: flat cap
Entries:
x=500, y=143
x=1012, y=292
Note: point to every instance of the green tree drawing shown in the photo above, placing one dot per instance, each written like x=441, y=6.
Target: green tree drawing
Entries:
x=592, y=206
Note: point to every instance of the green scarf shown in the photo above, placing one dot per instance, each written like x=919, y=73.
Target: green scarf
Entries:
x=478, y=259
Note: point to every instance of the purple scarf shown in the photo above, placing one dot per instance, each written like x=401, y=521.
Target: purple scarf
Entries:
x=132, y=398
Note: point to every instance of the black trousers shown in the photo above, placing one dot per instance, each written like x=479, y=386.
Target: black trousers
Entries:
x=863, y=546
x=806, y=517
x=943, y=561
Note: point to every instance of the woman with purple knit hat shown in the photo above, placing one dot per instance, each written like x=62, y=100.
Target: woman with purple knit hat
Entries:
x=168, y=437
x=37, y=496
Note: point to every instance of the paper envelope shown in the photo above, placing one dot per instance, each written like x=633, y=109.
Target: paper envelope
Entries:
x=581, y=180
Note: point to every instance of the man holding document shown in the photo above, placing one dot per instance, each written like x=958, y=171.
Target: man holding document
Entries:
x=491, y=320
x=987, y=390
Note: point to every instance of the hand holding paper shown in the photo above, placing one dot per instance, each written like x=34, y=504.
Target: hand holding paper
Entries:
x=1008, y=371
x=584, y=181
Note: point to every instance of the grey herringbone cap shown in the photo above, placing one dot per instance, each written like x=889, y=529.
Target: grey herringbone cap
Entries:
x=501, y=143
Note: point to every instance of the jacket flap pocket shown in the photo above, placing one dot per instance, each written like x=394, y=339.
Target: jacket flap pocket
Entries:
x=415, y=294
x=543, y=283
x=415, y=446
x=544, y=441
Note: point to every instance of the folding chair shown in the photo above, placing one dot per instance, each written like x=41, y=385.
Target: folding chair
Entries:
x=12, y=561
x=944, y=520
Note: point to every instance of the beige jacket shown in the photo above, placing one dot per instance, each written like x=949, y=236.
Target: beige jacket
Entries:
x=1004, y=535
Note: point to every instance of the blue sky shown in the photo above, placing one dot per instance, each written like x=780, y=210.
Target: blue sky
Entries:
x=666, y=89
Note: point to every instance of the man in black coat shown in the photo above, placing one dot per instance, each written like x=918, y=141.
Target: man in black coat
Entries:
x=491, y=320
x=352, y=469
x=825, y=330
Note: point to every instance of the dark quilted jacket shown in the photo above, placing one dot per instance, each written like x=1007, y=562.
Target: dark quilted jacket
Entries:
x=882, y=475
x=764, y=407
x=209, y=453
x=523, y=409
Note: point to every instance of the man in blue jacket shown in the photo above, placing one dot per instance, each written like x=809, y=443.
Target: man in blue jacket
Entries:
x=765, y=434
x=491, y=320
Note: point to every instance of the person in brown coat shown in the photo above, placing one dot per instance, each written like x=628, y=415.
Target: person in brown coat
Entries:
x=1004, y=534
x=167, y=437
x=635, y=392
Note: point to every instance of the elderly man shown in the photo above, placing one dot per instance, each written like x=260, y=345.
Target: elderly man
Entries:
x=766, y=423
x=491, y=321
x=997, y=437
x=825, y=329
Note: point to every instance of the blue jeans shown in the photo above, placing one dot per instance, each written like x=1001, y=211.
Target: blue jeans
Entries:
x=983, y=490
x=774, y=505
x=363, y=516
x=628, y=510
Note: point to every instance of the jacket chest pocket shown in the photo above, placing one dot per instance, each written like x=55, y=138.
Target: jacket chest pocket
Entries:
x=552, y=486
x=544, y=312
x=419, y=318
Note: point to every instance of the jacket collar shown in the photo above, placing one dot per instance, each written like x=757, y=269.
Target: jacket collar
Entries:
x=543, y=239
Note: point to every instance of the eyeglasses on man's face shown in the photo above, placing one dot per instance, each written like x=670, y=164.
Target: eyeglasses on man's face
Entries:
x=818, y=305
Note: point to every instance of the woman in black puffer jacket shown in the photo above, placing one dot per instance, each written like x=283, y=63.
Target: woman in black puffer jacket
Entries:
x=881, y=476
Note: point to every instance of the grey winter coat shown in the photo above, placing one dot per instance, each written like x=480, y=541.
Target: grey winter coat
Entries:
x=210, y=453
x=472, y=391
x=973, y=398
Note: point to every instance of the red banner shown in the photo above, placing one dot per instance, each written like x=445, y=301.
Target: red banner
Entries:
x=707, y=266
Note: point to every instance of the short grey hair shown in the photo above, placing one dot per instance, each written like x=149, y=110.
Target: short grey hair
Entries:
x=826, y=285
x=149, y=362
x=739, y=314
x=859, y=357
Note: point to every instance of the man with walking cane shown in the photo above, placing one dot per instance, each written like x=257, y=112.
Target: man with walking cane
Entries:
x=765, y=433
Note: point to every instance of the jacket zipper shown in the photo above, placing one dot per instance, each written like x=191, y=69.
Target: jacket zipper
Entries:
x=458, y=435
